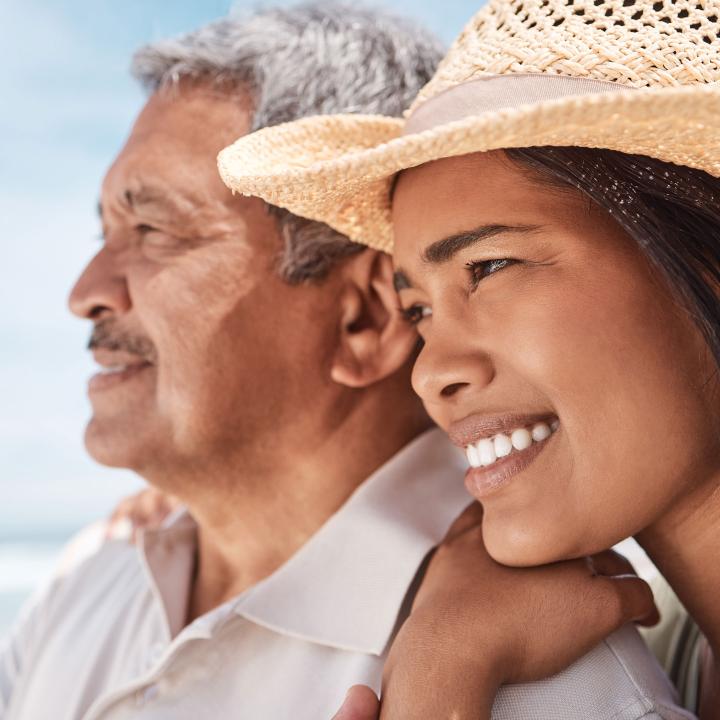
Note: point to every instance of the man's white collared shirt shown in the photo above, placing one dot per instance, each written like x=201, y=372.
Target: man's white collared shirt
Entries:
x=107, y=640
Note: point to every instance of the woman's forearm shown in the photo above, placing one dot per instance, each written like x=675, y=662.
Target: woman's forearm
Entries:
x=467, y=698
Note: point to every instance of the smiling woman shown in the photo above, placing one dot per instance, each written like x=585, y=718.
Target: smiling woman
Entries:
x=553, y=204
x=568, y=303
x=576, y=328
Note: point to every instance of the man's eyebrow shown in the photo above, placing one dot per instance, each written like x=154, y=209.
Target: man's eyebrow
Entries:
x=152, y=200
x=443, y=250
x=146, y=197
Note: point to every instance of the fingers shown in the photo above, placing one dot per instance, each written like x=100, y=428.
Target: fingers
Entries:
x=470, y=517
x=611, y=563
x=634, y=597
x=145, y=510
x=625, y=599
x=361, y=703
x=119, y=525
x=638, y=603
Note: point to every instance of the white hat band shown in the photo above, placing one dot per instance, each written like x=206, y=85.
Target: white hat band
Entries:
x=498, y=92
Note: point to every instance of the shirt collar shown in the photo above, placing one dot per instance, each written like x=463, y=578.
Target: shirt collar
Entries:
x=168, y=558
x=345, y=587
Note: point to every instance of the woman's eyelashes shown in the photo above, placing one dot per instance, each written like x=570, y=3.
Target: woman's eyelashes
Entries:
x=480, y=269
x=415, y=313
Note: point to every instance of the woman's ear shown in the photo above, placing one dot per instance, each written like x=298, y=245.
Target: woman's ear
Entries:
x=374, y=339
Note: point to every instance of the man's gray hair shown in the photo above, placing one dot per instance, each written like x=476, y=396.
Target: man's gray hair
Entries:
x=312, y=59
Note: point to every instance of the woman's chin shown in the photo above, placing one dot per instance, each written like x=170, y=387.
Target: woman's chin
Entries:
x=525, y=546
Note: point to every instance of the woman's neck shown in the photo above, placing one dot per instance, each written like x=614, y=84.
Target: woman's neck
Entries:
x=685, y=546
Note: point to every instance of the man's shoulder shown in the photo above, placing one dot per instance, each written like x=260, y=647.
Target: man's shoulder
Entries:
x=618, y=680
x=78, y=629
x=92, y=552
x=90, y=542
x=92, y=571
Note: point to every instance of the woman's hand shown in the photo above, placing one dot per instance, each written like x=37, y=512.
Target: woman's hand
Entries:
x=145, y=510
x=361, y=703
x=476, y=625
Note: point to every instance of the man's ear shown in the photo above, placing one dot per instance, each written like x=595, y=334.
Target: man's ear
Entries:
x=374, y=340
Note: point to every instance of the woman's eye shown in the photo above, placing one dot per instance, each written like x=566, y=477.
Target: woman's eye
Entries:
x=415, y=313
x=479, y=270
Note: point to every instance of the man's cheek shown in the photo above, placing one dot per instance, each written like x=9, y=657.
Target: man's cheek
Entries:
x=221, y=269
x=181, y=321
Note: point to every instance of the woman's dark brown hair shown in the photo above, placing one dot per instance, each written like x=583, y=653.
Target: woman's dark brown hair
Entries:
x=672, y=212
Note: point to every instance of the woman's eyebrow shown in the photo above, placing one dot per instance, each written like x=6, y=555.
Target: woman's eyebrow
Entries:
x=443, y=250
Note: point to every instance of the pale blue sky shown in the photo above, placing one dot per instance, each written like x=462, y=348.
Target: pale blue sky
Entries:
x=67, y=104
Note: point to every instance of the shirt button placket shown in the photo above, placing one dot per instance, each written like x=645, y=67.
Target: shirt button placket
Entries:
x=146, y=695
x=155, y=654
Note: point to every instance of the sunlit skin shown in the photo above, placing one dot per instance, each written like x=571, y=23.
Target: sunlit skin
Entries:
x=193, y=267
x=264, y=404
x=578, y=326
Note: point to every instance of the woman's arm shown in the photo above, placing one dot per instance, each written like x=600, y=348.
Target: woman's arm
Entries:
x=476, y=625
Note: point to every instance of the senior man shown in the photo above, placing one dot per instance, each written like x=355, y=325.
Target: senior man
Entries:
x=254, y=365
x=250, y=366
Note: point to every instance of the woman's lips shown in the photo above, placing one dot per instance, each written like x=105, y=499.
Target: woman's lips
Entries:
x=475, y=427
x=481, y=482
x=112, y=376
x=500, y=446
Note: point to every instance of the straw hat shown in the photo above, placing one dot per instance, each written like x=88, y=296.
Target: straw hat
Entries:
x=636, y=76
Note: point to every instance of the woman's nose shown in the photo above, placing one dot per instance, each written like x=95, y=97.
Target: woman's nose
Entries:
x=447, y=367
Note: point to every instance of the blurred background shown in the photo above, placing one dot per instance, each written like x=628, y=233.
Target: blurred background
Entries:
x=67, y=104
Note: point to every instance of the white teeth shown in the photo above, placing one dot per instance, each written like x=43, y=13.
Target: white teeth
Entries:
x=540, y=432
x=113, y=369
x=486, y=451
x=521, y=439
x=503, y=446
x=473, y=456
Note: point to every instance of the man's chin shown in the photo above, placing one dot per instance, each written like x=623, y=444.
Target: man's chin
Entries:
x=113, y=446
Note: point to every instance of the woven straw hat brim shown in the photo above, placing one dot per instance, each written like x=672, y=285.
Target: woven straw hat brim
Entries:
x=338, y=169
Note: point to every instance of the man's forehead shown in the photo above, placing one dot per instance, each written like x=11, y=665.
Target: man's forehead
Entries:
x=206, y=116
x=167, y=168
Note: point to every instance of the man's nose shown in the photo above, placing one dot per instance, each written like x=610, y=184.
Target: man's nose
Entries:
x=101, y=289
x=449, y=365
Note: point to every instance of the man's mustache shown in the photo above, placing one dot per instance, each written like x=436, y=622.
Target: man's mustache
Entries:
x=108, y=336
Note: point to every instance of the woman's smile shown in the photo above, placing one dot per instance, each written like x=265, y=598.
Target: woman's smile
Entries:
x=528, y=296
x=500, y=447
x=555, y=229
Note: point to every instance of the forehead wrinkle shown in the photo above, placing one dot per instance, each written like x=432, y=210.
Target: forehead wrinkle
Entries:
x=441, y=251
x=147, y=198
x=169, y=207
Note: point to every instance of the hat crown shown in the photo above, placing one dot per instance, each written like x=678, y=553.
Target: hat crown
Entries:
x=636, y=43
